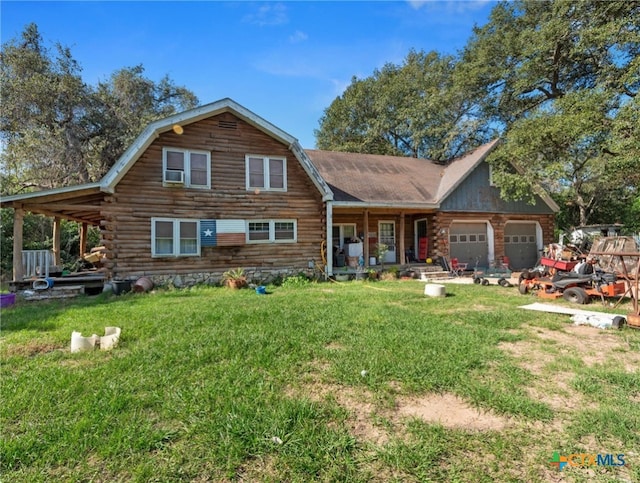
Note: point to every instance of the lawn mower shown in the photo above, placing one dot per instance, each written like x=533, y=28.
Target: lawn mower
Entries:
x=573, y=287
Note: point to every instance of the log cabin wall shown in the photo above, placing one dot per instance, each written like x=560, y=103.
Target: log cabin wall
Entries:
x=140, y=195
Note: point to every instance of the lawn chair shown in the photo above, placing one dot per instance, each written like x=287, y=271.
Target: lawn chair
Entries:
x=457, y=268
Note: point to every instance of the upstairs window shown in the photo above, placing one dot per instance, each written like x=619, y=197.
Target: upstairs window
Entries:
x=266, y=173
x=188, y=168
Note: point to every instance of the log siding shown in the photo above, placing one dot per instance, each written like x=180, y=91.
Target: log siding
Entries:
x=141, y=196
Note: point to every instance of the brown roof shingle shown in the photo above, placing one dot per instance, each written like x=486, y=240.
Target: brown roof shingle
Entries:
x=378, y=179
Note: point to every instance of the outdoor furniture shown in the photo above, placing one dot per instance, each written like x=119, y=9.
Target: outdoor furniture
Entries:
x=457, y=268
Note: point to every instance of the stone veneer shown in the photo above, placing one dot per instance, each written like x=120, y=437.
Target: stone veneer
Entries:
x=257, y=275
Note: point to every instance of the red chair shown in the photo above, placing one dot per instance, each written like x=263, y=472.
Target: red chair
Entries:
x=457, y=268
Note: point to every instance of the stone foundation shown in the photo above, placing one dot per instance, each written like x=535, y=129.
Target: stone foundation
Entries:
x=255, y=275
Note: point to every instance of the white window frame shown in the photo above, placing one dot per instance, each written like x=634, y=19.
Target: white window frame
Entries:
x=176, y=238
x=342, y=236
x=491, y=181
x=187, y=167
x=272, y=231
x=266, y=171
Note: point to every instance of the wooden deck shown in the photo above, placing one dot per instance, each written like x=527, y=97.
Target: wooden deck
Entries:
x=90, y=283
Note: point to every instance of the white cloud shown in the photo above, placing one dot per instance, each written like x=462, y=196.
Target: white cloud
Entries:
x=298, y=36
x=268, y=14
x=450, y=6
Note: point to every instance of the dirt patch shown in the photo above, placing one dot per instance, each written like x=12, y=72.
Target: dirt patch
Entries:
x=334, y=346
x=589, y=344
x=32, y=348
x=541, y=354
x=372, y=421
x=451, y=412
x=256, y=469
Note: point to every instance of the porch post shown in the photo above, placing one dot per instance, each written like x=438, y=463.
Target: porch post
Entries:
x=18, y=223
x=403, y=258
x=56, y=241
x=365, y=242
x=83, y=239
x=329, y=228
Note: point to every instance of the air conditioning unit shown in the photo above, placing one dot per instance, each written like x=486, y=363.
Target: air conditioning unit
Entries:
x=174, y=176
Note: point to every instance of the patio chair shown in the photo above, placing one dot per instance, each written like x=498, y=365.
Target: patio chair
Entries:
x=457, y=268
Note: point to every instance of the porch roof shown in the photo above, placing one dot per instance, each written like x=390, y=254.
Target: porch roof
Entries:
x=379, y=180
x=78, y=203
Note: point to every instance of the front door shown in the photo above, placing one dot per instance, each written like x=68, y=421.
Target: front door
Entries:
x=421, y=240
x=387, y=235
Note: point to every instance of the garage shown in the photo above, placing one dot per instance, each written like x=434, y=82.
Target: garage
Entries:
x=468, y=242
x=521, y=244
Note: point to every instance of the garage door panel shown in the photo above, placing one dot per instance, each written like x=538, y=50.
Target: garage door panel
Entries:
x=468, y=243
x=520, y=245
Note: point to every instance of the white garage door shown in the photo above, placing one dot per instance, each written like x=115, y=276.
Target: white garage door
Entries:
x=468, y=243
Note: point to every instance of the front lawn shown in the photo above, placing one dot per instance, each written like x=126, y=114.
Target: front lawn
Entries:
x=324, y=382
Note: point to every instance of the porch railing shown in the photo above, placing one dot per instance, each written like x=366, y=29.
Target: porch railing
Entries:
x=35, y=263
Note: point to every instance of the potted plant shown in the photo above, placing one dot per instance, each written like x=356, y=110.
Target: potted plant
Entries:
x=235, y=278
x=343, y=276
x=381, y=251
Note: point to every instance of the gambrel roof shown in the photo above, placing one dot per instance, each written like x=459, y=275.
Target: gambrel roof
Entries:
x=72, y=203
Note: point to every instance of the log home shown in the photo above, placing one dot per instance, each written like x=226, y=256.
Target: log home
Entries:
x=219, y=187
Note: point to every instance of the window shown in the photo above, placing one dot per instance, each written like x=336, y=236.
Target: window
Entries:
x=174, y=238
x=343, y=233
x=266, y=173
x=271, y=231
x=183, y=167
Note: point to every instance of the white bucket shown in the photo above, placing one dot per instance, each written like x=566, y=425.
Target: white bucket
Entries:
x=80, y=343
x=435, y=290
x=372, y=261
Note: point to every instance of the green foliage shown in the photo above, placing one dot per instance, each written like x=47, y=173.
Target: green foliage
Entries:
x=296, y=281
x=59, y=131
x=415, y=109
x=561, y=79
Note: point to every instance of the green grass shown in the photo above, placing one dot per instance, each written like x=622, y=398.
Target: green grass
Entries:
x=210, y=384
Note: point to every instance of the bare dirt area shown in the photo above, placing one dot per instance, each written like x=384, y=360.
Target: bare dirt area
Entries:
x=545, y=352
x=367, y=414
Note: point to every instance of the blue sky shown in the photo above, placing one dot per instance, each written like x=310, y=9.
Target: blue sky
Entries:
x=286, y=61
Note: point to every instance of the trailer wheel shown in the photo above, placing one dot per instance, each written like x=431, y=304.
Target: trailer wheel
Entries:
x=503, y=282
x=476, y=280
x=524, y=275
x=485, y=281
x=576, y=295
x=523, y=288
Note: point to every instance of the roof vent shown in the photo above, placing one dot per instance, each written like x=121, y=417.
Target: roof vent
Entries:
x=222, y=124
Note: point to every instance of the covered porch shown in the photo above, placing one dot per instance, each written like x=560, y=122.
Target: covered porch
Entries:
x=81, y=204
x=375, y=236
